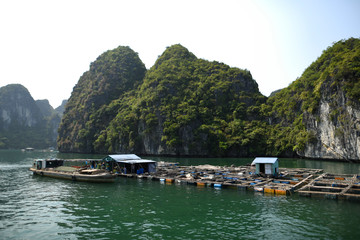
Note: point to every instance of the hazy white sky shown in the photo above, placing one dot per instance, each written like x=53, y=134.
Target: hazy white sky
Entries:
x=46, y=45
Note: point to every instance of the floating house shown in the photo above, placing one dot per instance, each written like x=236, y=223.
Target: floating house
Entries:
x=131, y=163
x=266, y=166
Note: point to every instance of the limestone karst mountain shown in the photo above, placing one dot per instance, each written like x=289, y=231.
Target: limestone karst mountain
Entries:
x=25, y=122
x=184, y=105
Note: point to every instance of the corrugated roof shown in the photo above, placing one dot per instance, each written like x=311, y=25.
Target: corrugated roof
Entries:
x=122, y=157
x=136, y=161
x=264, y=160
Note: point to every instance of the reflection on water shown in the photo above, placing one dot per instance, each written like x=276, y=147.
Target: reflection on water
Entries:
x=45, y=208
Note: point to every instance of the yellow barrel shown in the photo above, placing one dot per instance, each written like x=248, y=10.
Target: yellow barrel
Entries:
x=280, y=192
x=269, y=190
x=169, y=180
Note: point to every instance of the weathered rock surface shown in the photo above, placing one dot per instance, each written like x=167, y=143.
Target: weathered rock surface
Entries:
x=187, y=106
x=334, y=122
x=18, y=107
x=25, y=122
x=337, y=134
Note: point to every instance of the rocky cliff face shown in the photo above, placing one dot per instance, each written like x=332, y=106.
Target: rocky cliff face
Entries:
x=322, y=106
x=51, y=117
x=25, y=122
x=89, y=109
x=336, y=126
x=17, y=107
x=60, y=109
x=46, y=109
x=334, y=139
x=187, y=106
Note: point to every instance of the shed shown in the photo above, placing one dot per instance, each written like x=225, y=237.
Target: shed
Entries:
x=131, y=163
x=138, y=166
x=267, y=165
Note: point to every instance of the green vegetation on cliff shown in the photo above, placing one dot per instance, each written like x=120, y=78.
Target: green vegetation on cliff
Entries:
x=193, y=106
x=183, y=105
x=113, y=74
x=188, y=106
x=336, y=70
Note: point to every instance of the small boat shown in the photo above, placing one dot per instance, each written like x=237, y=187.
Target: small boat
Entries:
x=55, y=168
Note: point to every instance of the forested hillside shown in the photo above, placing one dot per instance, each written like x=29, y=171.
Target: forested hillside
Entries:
x=188, y=106
x=318, y=114
x=89, y=111
x=184, y=105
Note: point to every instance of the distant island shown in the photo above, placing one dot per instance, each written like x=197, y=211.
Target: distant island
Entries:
x=24, y=122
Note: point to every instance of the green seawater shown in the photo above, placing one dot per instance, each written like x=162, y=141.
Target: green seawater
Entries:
x=34, y=207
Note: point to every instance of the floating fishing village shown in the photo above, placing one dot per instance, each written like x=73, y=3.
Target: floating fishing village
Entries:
x=262, y=175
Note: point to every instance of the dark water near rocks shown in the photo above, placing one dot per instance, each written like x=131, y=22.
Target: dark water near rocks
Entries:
x=33, y=207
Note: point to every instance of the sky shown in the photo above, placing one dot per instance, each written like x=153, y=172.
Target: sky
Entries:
x=46, y=45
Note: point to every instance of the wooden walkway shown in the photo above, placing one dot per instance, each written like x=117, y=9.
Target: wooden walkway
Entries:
x=333, y=186
x=241, y=178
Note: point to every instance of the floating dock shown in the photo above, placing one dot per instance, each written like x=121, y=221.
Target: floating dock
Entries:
x=333, y=186
x=281, y=181
x=306, y=182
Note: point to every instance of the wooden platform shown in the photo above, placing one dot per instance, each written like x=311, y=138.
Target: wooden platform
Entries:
x=241, y=178
x=333, y=186
x=306, y=182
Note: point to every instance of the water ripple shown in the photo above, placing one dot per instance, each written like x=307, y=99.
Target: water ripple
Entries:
x=44, y=208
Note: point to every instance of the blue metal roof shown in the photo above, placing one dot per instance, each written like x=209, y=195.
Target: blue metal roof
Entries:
x=265, y=160
x=122, y=157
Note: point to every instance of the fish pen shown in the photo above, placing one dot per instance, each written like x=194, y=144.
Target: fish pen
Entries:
x=333, y=186
x=241, y=177
x=282, y=181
